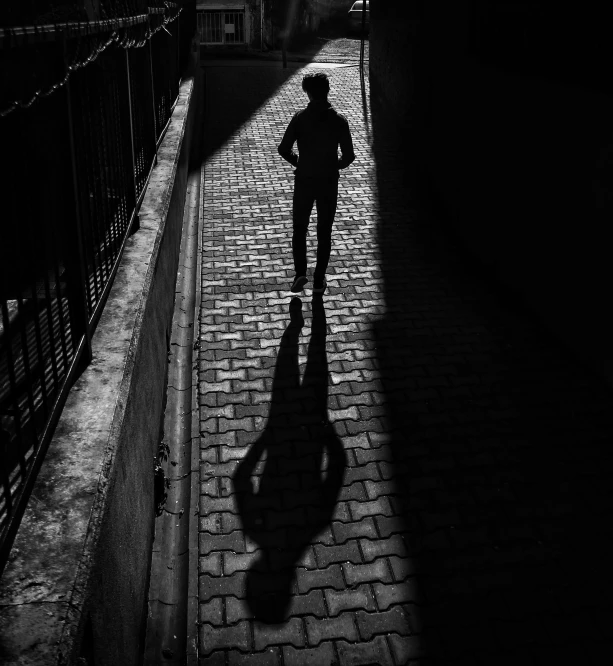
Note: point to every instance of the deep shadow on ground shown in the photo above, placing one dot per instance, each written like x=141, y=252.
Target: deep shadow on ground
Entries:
x=502, y=450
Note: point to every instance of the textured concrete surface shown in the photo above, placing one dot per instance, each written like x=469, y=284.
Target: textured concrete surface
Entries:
x=450, y=502
x=80, y=562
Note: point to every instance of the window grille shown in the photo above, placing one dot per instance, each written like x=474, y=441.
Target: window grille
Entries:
x=221, y=27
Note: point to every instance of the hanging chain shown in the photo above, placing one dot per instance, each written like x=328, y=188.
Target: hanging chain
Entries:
x=115, y=37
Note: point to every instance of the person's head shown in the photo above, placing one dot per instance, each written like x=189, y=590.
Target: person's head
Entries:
x=316, y=85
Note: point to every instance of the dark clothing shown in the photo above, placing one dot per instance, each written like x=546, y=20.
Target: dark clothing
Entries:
x=319, y=130
x=324, y=191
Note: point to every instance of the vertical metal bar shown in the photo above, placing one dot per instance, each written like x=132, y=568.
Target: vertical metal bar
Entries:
x=146, y=121
x=136, y=126
x=79, y=265
x=125, y=152
x=116, y=224
x=60, y=304
x=104, y=101
x=178, y=49
x=51, y=332
x=25, y=355
x=10, y=364
x=363, y=34
x=118, y=197
x=155, y=130
x=95, y=161
x=135, y=224
x=4, y=472
x=39, y=346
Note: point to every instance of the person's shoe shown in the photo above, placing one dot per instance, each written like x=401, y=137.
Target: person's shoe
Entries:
x=319, y=286
x=299, y=283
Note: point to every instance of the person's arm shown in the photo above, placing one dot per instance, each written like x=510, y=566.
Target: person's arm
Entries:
x=287, y=144
x=346, y=144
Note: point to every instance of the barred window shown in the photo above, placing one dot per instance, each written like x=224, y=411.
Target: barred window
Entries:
x=221, y=27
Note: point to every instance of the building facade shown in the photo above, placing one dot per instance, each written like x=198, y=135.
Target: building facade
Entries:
x=230, y=23
x=260, y=24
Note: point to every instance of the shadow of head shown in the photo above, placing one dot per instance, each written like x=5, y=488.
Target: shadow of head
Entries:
x=288, y=483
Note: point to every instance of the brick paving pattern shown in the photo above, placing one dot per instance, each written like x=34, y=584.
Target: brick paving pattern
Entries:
x=448, y=500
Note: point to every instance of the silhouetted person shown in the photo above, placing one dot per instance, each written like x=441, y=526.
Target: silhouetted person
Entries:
x=319, y=130
x=293, y=500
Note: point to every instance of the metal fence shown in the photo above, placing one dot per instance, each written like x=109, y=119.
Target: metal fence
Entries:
x=221, y=27
x=83, y=108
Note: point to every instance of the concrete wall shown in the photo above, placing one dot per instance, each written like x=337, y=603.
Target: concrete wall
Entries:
x=77, y=579
x=253, y=31
x=519, y=160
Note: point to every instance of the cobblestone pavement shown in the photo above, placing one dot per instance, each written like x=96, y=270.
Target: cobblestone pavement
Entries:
x=407, y=470
x=346, y=49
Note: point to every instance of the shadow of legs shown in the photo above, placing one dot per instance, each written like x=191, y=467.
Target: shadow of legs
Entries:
x=288, y=482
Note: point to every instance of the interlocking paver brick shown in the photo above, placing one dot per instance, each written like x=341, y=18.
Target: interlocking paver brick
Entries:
x=361, y=528
x=383, y=622
x=391, y=525
x=396, y=593
x=375, y=572
x=269, y=657
x=406, y=648
x=376, y=489
x=215, y=659
x=394, y=545
x=355, y=491
x=216, y=638
x=330, y=628
x=312, y=603
x=372, y=652
x=211, y=523
x=323, y=655
x=212, y=612
x=376, y=507
x=210, y=564
x=369, y=471
x=347, y=552
x=210, y=586
x=233, y=562
x=357, y=441
x=331, y=576
x=290, y=633
x=403, y=567
x=210, y=543
x=349, y=599
x=236, y=610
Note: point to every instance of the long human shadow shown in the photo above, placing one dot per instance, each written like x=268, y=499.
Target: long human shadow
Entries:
x=500, y=446
x=288, y=483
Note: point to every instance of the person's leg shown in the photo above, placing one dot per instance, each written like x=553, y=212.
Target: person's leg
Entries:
x=301, y=213
x=327, y=195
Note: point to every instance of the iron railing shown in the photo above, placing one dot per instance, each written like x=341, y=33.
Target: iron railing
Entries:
x=83, y=108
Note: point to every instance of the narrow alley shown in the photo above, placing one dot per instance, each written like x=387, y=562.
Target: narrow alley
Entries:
x=408, y=463
x=407, y=470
